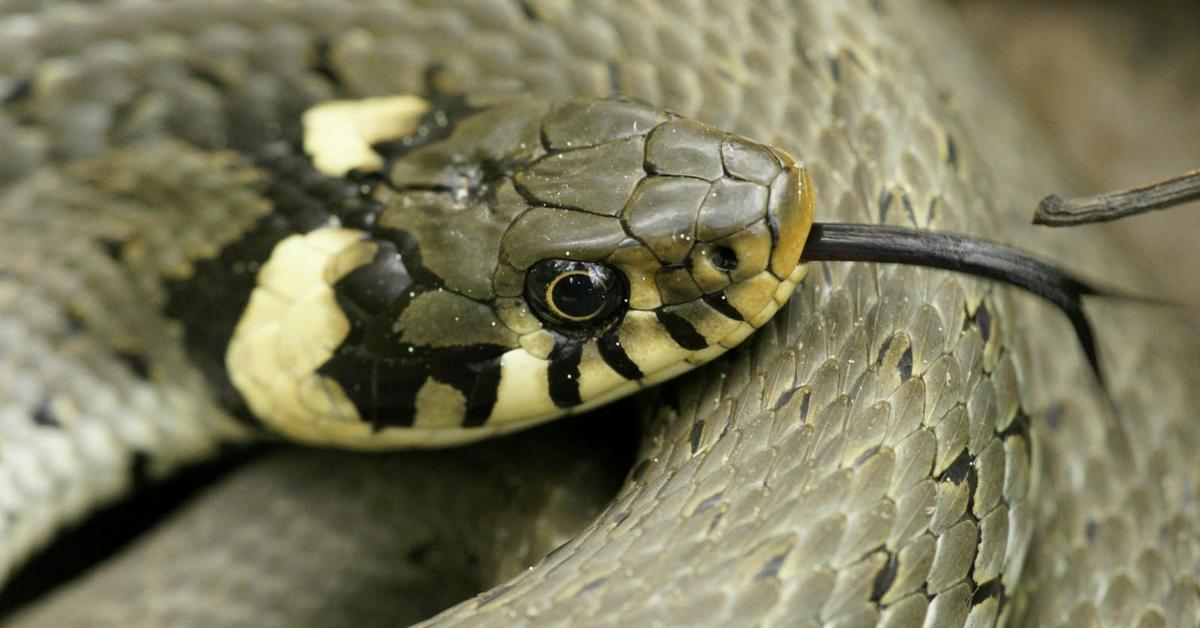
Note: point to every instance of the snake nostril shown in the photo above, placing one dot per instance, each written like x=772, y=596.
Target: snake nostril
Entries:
x=723, y=257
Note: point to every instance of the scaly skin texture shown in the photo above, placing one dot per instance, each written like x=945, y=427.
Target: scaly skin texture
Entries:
x=896, y=445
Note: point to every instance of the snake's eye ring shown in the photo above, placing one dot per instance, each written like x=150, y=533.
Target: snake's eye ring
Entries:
x=574, y=294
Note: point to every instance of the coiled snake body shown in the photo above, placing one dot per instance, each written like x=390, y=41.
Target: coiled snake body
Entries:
x=895, y=446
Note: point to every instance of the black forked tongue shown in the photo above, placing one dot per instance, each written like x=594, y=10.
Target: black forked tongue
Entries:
x=838, y=242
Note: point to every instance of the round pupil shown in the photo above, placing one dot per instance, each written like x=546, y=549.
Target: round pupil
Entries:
x=578, y=295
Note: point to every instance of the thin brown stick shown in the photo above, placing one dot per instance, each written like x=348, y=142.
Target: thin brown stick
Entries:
x=1055, y=211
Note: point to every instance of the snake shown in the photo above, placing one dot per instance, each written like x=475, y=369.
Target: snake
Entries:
x=893, y=446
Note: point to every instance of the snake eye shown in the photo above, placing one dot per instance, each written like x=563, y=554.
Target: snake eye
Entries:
x=723, y=257
x=574, y=293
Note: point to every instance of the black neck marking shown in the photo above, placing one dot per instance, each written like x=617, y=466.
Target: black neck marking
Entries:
x=484, y=391
x=211, y=300
x=382, y=376
x=435, y=125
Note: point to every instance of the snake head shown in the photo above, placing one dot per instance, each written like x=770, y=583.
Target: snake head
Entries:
x=510, y=263
x=651, y=244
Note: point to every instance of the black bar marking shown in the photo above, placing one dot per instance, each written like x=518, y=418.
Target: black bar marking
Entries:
x=696, y=435
x=681, y=330
x=885, y=577
x=21, y=91
x=616, y=358
x=905, y=364
x=983, y=319
x=372, y=291
x=323, y=64
x=483, y=395
x=383, y=391
x=721, y=304
x=563, y=373
x=137, y=363
x=44, y=414
x=527, y=10
x=991, y=589
x=112, y=248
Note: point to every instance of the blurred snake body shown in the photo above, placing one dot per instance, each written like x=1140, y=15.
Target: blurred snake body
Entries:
x=404, y=224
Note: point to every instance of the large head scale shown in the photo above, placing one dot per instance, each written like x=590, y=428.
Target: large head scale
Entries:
x=508, y=264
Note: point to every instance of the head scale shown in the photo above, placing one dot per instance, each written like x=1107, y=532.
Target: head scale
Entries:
x=538, y=258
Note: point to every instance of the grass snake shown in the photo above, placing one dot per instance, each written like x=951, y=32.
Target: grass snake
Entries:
x=896, y=445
